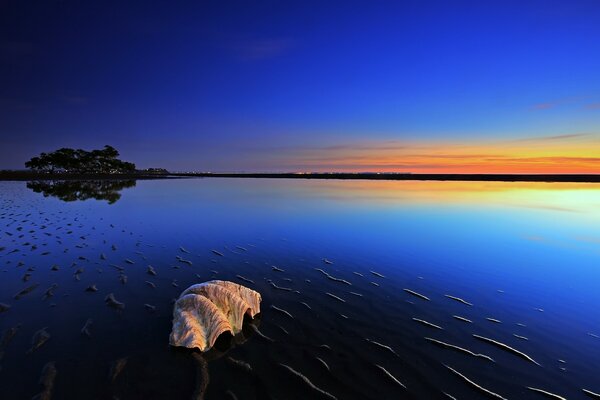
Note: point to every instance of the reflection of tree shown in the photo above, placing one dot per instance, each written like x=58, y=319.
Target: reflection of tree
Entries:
x=82, y=190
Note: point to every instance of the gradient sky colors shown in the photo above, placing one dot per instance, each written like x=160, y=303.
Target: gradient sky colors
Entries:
x=418, y=86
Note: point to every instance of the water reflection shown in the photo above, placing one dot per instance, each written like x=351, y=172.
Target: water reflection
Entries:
x=527, y=268
x=72, y=190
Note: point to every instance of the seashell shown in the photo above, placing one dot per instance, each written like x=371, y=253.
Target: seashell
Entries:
x=205, y=311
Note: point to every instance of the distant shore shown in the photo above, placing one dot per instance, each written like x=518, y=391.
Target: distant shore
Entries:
x=410, y=177
x=582, y=178
x=34, y=176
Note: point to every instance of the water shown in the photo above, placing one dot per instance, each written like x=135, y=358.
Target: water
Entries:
x=512, y=250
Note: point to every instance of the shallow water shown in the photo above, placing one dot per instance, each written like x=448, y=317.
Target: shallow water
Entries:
x=527, y=255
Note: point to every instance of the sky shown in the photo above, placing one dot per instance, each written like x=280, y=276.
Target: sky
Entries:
x=413, y=86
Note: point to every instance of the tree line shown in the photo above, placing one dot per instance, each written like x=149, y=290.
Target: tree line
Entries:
x=78, y=161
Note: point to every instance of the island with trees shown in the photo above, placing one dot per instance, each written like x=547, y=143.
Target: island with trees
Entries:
x=68, y=163
x=79, y=161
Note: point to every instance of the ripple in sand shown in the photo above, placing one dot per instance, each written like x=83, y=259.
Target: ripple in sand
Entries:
x=184, y=261
x=281, y=310
x=150, y=307
x=323, y=363
x=242, y=365
x=119, y=268
x=112, y=302
x=383, y=346
x=333, y=296
x=463, y=319
x=458, y=299
x=255, y=329
x=377, y=274
x=86, y=328
x=419, y=295
x=429, y=324
x=546, y=393
x=116, y=368
x=25, y=291
x=333, y=278
x=459, y=349
x=244, y=279
x=282, y=329
x=39, y=339
x=591, y=394
x=475, y=385
x=274, y=285
x=506, y=347
x=47, y=379
x=7, y=337
x=308, y=382
x=494, y=320
x=389, y=375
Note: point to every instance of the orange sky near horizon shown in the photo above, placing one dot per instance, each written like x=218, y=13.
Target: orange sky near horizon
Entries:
x=561, y=154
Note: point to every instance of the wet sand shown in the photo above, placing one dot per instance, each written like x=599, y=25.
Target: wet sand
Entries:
x=325, y=331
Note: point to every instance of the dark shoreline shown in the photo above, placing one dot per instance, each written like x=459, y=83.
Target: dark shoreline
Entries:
x=34, y=176
x=574, y=178
x=589, y=178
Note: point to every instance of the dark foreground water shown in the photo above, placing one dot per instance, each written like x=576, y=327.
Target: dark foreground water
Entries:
x=525, y=258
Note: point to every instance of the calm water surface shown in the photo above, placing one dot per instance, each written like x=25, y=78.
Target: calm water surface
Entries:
x=526, y=256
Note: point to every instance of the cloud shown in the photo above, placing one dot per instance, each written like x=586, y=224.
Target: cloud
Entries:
x=593, y=106
x=356, y=146
x=547, y=160
x=588, y=239
x=549, y=208
x=547, y=105
x=559, y=153
x=553, y=137
x=544, y=106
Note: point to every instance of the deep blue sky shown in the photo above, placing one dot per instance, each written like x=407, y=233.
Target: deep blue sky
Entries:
x=282, y=85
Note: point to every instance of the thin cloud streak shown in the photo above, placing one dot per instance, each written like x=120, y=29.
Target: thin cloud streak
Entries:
x=554, y=137
x=565, y=153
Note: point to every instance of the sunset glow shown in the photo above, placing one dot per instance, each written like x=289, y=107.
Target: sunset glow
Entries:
x=420, y=87
x=571, y=154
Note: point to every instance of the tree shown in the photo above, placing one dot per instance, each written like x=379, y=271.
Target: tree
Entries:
x=103, y=161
